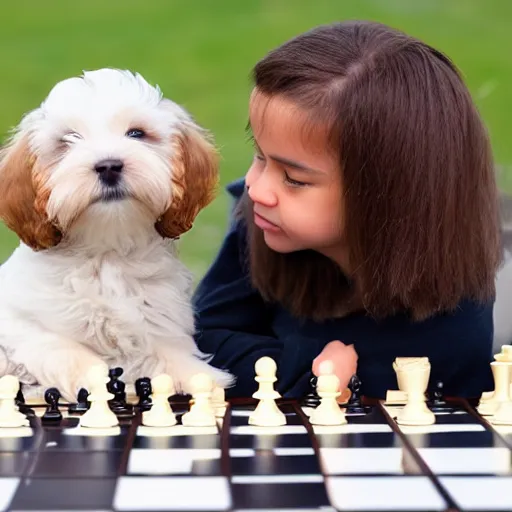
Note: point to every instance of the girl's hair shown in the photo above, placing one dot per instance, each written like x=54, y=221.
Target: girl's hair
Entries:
x=421, y=204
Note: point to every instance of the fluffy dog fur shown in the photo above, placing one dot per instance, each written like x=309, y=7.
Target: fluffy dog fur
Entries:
x=96, y=278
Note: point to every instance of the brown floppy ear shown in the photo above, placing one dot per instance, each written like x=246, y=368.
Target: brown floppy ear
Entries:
x=23, y=197
x=195, y=175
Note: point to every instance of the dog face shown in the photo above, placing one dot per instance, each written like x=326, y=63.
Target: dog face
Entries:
x=107, y=137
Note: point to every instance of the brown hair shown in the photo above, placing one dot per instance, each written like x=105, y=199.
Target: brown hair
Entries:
x=421, y=208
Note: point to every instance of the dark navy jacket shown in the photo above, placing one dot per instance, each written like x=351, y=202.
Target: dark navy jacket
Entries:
x=237, y=327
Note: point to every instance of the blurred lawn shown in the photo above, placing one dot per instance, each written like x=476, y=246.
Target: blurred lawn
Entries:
x=201, y=54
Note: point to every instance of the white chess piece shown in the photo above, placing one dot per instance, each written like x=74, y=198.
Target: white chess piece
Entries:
x=490, y=402
x=161, y=413
x=414, y=379
x=218, y=401
x=401, y=364
x=10, y=416
x=502, y=403
x=99, y=414
x=267, y=413
x=328, y=388
x=201, y=413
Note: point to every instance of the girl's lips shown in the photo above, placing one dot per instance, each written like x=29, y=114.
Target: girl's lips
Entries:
x=265, y=224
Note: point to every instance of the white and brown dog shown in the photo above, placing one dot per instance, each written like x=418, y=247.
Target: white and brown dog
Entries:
x=97, y=183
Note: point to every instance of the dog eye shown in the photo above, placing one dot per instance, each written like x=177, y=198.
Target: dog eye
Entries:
x=70, y=137
x=135, y=133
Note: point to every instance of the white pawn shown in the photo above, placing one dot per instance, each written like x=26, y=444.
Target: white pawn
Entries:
x=99, y=415
x=161, y=413
x=267, y=413
x=10, y=416
x=503, y=402
x=218, y=401
x=328, y=388
x=500, y=371
x=201, y=413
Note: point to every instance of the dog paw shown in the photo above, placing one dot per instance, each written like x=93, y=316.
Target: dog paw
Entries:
x=68, y=371
x=183, y=369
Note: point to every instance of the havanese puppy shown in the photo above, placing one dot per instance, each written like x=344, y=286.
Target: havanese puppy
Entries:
x=98, y=182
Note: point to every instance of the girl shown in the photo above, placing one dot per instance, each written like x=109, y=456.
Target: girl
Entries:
x=367, y=226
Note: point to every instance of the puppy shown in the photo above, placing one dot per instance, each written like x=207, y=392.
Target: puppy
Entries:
x=98, y=182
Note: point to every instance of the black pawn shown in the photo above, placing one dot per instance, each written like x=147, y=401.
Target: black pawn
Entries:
x=52, y=413
x=312, y=399
x=82, y=405
x=117, y=387
x=20, y=399
x=438, y=403
x=143, y=391
x=355, y=406
x=22, y=407
x=438, y=394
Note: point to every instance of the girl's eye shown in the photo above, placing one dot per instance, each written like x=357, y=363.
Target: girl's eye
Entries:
x=135, y=133
x=292, y=182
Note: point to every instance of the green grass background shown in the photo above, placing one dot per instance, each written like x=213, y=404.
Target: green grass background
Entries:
x=201, y=54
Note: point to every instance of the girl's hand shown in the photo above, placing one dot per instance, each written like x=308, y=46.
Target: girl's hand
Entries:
x=344, y=359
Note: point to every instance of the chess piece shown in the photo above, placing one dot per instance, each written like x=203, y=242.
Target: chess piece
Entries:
x=438, y=395
x=82, y=404
x=218, y=401
x=267, y=413
x=161, y=413
x=311, y=400
x=10, y=415
x=143, y=391
x=328, y=386
x=99, y=414
x=52, y=413
x=201, y=413
x=22, y=407
x=503, y=402
x=355, y=405
x=438, y=403
x=404, y=363
x=489, y=397
x=117, y=388
x=20, y=399
x=414, y=379
x=500, y=373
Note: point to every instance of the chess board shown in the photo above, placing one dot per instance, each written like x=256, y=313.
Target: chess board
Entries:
x=369, y=464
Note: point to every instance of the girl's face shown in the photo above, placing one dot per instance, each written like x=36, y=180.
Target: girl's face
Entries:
x=294, y=180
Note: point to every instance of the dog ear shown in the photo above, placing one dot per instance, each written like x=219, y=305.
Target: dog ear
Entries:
x=195, y=176
x=23, y=196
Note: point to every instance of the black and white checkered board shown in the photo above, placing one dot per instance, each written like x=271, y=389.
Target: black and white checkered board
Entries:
x=370, y=464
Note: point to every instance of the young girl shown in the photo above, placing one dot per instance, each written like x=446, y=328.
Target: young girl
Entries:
x=367, y=226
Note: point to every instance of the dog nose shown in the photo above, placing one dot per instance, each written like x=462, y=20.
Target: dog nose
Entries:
x=109, y=171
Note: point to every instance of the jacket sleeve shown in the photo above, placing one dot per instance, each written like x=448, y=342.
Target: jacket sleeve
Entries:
x=234, y=324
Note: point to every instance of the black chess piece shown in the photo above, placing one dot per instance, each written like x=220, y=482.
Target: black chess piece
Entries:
x=22, y=407
x=52, y=413
x=438, y=403
x=20, y=399
x=117, y=387
x=438, y=394
x=355, y=405
x=312, y=399
x=143, y=391
x=82, y=404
